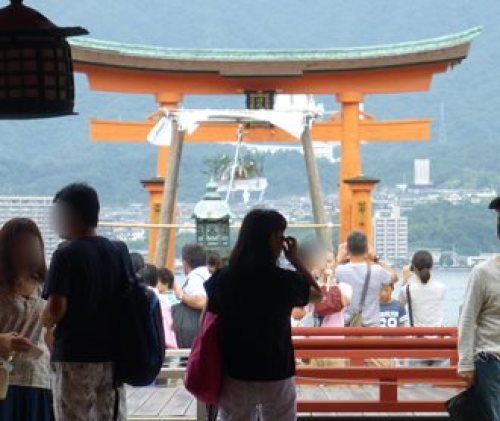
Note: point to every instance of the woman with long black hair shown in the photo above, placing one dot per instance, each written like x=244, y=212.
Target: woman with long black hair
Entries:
x=22, y=273
x=254, y=298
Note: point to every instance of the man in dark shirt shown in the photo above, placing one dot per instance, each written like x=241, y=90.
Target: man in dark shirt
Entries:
x=83, y=283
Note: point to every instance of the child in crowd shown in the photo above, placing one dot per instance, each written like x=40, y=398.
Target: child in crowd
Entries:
x=165, y=285
x=392, y=313
x=151, y=276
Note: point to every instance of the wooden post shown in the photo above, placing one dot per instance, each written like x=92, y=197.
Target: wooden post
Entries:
x=168, y=168
x=169, y=195
x=324, y=234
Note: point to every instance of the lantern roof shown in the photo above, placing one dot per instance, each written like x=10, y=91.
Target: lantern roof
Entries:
x=18, y=18
x=243, y=62
x=212, y=207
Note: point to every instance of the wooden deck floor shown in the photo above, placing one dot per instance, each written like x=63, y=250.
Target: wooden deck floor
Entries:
x=175, y=403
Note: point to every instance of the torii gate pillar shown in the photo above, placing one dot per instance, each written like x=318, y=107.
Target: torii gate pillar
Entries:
x=361, y=204
x=350, y=162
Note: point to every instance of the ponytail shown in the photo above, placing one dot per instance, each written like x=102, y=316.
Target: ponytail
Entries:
x=425, y=275
x=423, y=262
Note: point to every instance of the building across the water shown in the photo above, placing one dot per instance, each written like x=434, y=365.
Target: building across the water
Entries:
x=36, y=208
x=390, y=231
x=422, y=175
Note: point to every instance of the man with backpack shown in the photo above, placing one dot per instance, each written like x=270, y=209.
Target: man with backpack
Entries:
x=84, y=284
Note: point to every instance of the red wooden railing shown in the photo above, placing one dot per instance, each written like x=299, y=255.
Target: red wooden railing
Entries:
x=360, y=344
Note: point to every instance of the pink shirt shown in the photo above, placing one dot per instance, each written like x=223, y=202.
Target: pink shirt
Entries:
x=168, y=323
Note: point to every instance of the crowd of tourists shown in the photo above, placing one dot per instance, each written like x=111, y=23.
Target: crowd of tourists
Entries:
x=364, y=282
x=56, y=324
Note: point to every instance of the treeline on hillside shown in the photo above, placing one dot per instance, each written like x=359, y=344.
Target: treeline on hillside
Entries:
x=469, y=229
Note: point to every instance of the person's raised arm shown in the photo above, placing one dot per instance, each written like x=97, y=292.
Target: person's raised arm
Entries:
x=290, y=249
x=342, y=254
x=390, y=269
x=372, y=257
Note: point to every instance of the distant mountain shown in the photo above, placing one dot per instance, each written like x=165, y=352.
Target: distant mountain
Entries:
x=39, y=156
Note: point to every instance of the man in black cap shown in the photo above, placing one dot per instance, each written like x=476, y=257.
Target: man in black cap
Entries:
x=495, y=205
x=479, y=331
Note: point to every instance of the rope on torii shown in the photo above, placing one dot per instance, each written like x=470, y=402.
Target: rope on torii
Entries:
x=291, y=121
x=239, y=141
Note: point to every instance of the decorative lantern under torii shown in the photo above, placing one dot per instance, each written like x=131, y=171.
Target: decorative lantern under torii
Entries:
x=212, y=216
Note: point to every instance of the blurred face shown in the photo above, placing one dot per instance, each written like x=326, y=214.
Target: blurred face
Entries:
x=162, y=288
x=386, y=294
x=63, y=221
x=327, y=275
x=330, y=259
x=27, y=254
x=276, y=242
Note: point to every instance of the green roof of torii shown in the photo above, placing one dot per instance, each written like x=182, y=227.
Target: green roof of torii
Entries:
x=446, y=48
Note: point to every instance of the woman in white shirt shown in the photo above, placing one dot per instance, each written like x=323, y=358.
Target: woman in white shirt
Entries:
x=426, y=294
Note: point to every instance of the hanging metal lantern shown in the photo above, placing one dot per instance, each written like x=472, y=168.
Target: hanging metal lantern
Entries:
x=212, y=216
x=36, y=69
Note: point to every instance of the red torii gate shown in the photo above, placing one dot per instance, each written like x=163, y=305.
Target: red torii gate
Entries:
x=349, y=74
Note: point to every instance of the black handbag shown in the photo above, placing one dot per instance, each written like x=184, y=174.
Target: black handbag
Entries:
x=466, y=407
x=186, y=321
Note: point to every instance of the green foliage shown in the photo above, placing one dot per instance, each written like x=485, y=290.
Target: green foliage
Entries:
x=468, y=228
x=250, y=164
x=216, y=166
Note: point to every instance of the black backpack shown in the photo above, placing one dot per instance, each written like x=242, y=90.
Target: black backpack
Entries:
x=139, y=336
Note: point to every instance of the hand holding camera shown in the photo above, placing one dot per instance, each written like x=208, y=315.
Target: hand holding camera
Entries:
x=407, y=273
x=342, y=254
